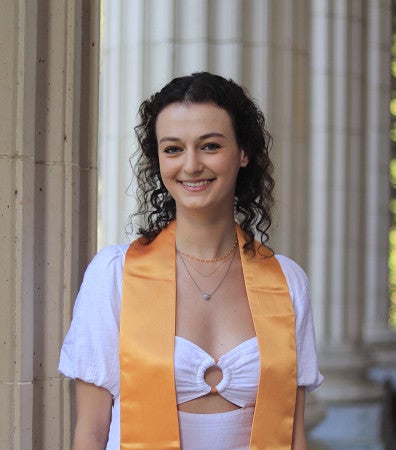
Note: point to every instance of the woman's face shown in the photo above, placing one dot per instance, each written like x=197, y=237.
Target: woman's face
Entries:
x=199, y=156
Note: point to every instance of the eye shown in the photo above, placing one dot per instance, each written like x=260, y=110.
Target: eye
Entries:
x=172, y=150
x=211, y=146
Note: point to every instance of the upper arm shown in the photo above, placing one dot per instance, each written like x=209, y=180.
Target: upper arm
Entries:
x=299, y=440
x=93, y=410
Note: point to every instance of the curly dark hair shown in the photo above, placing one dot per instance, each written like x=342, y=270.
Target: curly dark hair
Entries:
x=254, y=186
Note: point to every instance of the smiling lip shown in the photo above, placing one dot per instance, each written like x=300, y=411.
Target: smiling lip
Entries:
x=196, y=185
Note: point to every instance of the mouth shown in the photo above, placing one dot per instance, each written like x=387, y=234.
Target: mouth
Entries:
x=196, y=185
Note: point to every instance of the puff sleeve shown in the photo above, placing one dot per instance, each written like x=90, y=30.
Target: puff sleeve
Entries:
x=90, y=348
x=308, y=373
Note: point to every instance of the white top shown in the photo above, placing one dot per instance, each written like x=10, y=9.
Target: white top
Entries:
x=90, y=349
x=221, y=431
x=240, y=368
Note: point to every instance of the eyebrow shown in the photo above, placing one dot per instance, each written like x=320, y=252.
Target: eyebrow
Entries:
x=201, y=138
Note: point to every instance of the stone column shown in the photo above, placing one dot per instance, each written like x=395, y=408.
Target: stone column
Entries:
x=347, y=235
x=377, y=335
x=376, y=329
x=48, y=91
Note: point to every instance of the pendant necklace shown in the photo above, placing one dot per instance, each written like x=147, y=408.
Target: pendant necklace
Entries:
x=208, y=295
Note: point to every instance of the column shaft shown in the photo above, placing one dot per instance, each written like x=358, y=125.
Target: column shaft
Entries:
x=48, y=186
x=347, y=233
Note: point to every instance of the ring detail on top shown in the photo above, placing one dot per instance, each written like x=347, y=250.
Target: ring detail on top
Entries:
x=240, y=367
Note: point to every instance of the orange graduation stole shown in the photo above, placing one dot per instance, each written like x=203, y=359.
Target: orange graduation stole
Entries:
x=147, y=333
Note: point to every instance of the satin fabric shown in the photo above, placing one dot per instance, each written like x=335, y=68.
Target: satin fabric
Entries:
x=147, y=333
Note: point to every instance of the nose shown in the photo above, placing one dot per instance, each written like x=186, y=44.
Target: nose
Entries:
x=192, y=161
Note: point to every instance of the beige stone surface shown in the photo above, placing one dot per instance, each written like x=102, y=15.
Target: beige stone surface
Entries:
x=51, y=414
x=48, y=127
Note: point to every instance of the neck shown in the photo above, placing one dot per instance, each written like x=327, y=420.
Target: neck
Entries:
x=205, y=238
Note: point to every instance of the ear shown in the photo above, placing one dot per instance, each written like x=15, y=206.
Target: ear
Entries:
x=244, y=158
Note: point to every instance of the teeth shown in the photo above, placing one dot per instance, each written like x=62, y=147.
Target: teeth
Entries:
x=196, y=184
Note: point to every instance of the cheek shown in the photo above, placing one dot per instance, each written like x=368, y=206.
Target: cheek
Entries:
x=163, y=170
x=167, y=171
x=230, y=166
x=162, y=166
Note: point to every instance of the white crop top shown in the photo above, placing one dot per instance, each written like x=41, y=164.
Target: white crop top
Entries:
x=240, y=368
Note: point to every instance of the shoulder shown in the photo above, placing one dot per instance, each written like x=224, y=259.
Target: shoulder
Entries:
x=297, y=282
x=101, y=286
x=110, y=256
x=107, y=265
x=296, y=278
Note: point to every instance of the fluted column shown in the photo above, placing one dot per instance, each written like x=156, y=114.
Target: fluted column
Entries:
x=376, y=329
x=377, y=335
x=48, y=91
x=347, y=233
x=288, y=91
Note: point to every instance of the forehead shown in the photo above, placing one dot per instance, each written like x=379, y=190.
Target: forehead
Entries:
x=194, y=118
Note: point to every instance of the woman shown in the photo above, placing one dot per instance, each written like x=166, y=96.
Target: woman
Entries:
x=214, y=347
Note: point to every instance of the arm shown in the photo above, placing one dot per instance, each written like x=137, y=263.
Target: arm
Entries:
x=93, y=408
x=299, y=442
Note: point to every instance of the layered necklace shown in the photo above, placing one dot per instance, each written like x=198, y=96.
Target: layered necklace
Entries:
x=222, y=259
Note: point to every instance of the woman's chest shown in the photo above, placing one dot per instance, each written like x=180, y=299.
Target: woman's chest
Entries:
x=216, y=325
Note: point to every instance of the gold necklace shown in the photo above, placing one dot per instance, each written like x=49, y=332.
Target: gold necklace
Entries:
x=208, y=295
x=204, y=275
x=213, y=260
